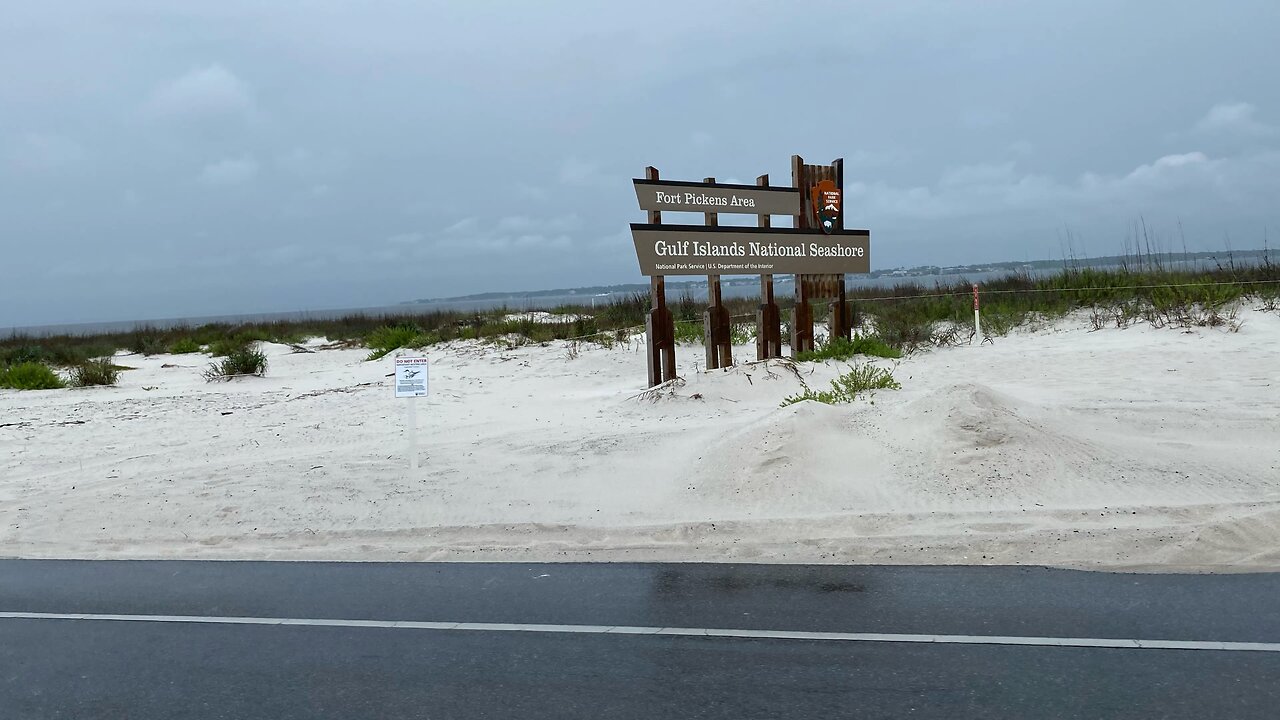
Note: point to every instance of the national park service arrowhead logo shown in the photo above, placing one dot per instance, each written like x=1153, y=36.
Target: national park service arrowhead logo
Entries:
x=826, y=205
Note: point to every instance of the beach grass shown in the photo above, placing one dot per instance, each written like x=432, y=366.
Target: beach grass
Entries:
x=905, y=317
x=843, y=349
x=387, y=338
x=30, y=376
x=247, y=360
x=859, y=380
x=184, y=346
x=101, y=371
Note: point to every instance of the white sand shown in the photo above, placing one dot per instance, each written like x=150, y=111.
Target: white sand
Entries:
x=1118, y=448
x=544, y=318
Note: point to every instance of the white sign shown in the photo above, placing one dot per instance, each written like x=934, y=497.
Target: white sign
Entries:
x=411, y=377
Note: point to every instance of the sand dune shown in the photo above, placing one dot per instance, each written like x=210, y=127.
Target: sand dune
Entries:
x=1150, y=448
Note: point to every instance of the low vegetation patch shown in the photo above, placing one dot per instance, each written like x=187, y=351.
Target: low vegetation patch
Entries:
x=249, y=360
x=184, y=346
x=842, y=349
x=861, y=379
x=228, y=346
x=385, y=339
x=689, y=332
x=30, y=376
x=95, y=372
x=910, y=315
x=692, y=332
x=22, y=354
x=148, y=341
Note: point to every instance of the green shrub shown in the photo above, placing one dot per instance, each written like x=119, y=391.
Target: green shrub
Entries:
x=245, y=361
x=69, y=354
x=184, y=345
x=60, y=352
x=686, y=308
x=226, y=347
x=383, y=340
x=147, y=341
x=847, y=387
x=689, y=332
x=908, y=324
x=95, y=372
x=585, y=326
x=842, y=349
x=30, y=376
x=627, y=310
x=22, y=354
x=291, y=337
x=207, y=335
x=253, y=334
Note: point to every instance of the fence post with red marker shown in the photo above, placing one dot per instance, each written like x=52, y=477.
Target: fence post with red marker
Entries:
x=977, y=322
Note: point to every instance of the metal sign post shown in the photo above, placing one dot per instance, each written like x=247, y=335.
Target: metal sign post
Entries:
x=413, y=434
x=412, y=382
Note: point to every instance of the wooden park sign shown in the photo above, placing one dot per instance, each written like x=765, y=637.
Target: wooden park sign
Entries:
x=818, y=251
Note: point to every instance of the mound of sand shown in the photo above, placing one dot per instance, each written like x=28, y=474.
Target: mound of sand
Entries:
x=1118, y=448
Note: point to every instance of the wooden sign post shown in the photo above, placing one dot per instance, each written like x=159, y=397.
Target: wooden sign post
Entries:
x=768, y=317
x=811, y=287
x=659, y=325
x=715, y=319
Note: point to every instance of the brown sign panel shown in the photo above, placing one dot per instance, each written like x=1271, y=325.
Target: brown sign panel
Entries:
x=716, y=198
x=826, y=205
x=710, y=250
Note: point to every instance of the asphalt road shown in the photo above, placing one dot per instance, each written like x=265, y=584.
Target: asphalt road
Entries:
x=169, y=666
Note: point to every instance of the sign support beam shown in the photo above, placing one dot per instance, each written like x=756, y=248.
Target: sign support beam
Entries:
x=715, y=319
x=811, y=287
x=768, y=318
x=659, y=325
x=802, y=313
x=841, y=325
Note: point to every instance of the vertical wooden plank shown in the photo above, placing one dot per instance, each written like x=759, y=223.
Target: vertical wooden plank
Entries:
x=655, y=216
x=659, y=325
x=841, y=314
x=657, y=299
x=653, y=330
x=768, y=319
x=801, y=314
x=838, y=166
x=715, y=319
x=709, y=315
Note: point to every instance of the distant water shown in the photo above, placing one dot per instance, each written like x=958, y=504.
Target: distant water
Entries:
x=735, y=287
x=299, y=315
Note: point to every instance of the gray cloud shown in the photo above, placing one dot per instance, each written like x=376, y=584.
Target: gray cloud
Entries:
x=1236, y=117
x=36, y=152
x=196, y=158
x=203, y=92
x=230, y=171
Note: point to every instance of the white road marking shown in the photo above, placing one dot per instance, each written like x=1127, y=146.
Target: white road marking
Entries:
x=1128, y=644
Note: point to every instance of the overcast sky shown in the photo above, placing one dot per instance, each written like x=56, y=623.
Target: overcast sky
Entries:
x=163, y=159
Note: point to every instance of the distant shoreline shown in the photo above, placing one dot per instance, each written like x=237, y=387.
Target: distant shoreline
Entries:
x=735, y=286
